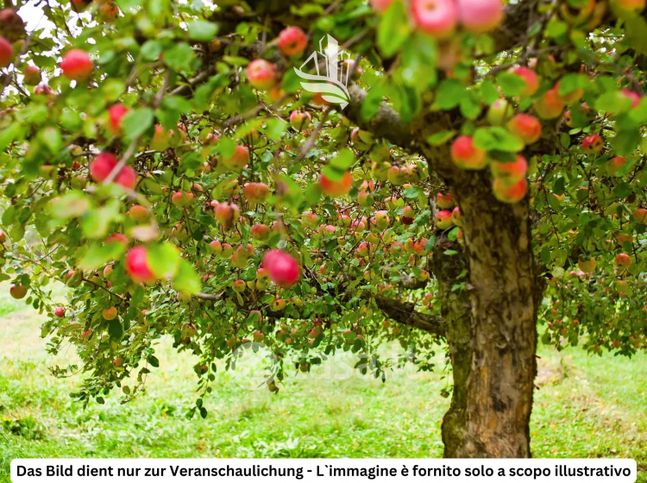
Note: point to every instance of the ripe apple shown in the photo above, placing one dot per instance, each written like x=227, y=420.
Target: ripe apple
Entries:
x=443, y=219
x=310, y=219
x=255, y=192
x=592, y=144
x=530, y=77
x=640, y=215
x=336, y=188
x=137, y=265
x=283, y=268
x=110, y=313
x=300, y=119
x=437, y=18
x=6, y=52
x=117, y=238
x=239, y=285
x=381, y=219
x=80, y=5
x=115, y=115
x=362, y=249
x=587, y=266
x=182, y=198
x=77, y=65
x=226, y=213
x=408, y=215
x=292, y=41
x=18, y=291
x=550, y=105
x=278, y=304
x=59, y=312
x=509, y=194
x=381, y=6
x=510, y=173
x=480, y=16
x=261, y=74
x=139, y=213
x=623, y=260
x=31, y=75
x=633, y=96
x=3, y=236
x=445, y=201
x=615, y=165
x=239, y=159
x=499, y=112
x=260, y=231
x=104, y=163
x=467, y=156
x=456, y=216
x=526, y=126
x=628, y=6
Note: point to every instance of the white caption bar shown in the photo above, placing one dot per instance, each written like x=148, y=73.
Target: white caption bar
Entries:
x=321, y=470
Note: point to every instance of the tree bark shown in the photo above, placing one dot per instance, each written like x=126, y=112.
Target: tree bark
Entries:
x=503, y=293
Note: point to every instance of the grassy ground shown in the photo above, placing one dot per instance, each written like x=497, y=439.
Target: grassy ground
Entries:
x=585, y=407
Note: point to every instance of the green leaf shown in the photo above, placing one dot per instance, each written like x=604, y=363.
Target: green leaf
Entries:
x=497, y=139
x=98, y=255
x=51, y=137
x=394, y=29
x=71, y=205
x=440, y=138
x=164, y=260
x=187, y=280
x=613, y=103
x=151, y=50
x=512, y=85
x=202, y=31
x=115, y=329
x=343, y=160
x=136, y=122
x=179, y=57
x=449, y=94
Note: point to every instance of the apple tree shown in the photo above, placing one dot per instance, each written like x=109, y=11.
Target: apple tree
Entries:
x=482, y=176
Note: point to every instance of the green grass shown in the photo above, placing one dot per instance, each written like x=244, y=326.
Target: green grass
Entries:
x=585, y=407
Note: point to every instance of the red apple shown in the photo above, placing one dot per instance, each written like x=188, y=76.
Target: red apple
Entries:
x=480, y=16
x=526, y=126
x=282, y=267
x=31, y=75
x=18, y=291
x=182, y=198
x=550, y=105
x=260, y=231
x=381, y=6
x=115, y=115
x=104, y=163
x=6, y=52
x=336, y=188
x=443, y=219
x=261, y=74
x=299, y=119
x=226, y=213
x=139, y=212
x=507, y=193
x=110, y=313
x=633, y=96
x=445, y=201
x=59, y=312
x=509, y=173
x=292, y=41
x=623, y=260
x=437, y=18
x=592, y=144
x=77, y=65
x=255, y=192
x=530, y=77
x=640, y=215
x=616, y=164
x=467, y=156
x=456, y=216
x=239, y=158
x=137, y=265
x=118, y=238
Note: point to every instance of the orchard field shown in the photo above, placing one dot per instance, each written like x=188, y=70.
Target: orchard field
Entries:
x=585, y=407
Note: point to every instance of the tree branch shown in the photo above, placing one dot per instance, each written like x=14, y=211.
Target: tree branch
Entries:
x=404, y=313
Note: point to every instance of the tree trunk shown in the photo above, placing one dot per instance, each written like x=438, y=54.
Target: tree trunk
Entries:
x=503, y=292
